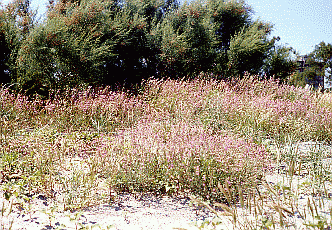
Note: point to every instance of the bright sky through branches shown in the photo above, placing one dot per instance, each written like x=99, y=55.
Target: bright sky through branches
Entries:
x=301, y=24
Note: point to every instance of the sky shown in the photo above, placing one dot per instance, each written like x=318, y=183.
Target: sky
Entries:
x=301, y=24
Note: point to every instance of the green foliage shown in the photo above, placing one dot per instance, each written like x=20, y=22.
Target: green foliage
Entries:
x=323, y=53
x=186, y=41
x=228, y=18
x=68, y=49
x=107, y=42
x=279, y=63
x=16, y=20
x=133, y=53
x=248, y=49
x=317, y=63
x=5, y=49
x=212, y=36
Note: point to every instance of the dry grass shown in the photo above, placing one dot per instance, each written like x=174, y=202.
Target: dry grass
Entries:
x=214, y=140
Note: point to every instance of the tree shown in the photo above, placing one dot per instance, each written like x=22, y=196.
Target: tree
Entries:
x=323, y=54
x=317, y=62
x=186, y=39
x=280, y=62
x=210, y=37
x=93, y=42
x=16, y=21
x=248, y=49
x=69, y=48
x=228, y=18
x=7, y=38
x=137, y=52
x=106, y=42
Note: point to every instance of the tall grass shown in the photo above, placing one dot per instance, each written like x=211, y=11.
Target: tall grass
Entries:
x=199, y=137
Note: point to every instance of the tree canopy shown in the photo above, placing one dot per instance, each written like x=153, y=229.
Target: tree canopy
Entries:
x=318, y=64
x=106, y=42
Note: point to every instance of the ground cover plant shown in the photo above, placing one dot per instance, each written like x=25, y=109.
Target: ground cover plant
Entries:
x=211, y=139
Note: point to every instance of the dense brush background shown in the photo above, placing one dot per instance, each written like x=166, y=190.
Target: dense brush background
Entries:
x=109, y=42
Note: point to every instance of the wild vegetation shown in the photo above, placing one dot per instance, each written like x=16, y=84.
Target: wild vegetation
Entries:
x=212, y=139
x=208, y=114
x=317, y=63
x=107, y=42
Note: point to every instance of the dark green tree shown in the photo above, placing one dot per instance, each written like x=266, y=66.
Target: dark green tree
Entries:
x=248, y=49
x=228, y=18
x=212, y=36
x=137, y=52
x=70, y=48
x=317, y=63
x=323, y=54
x=280, y=62
x=106, y=42
x=93, y=42
x=16, y=21
x=186, y=39
x=7, y=38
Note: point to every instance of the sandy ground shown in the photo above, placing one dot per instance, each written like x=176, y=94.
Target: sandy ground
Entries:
x=150, y=212
x=126, y=212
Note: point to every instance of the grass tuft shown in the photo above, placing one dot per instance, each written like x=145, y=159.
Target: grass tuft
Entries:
x=204, y=138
